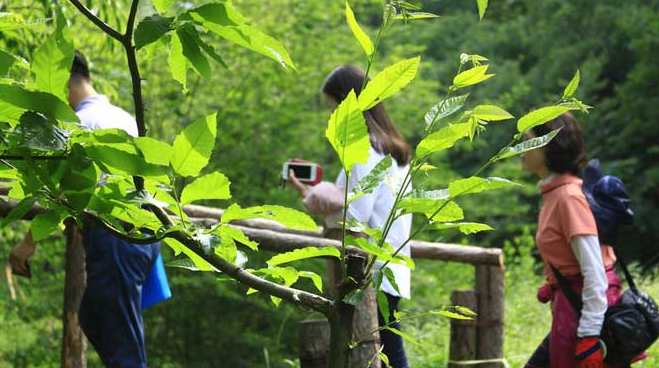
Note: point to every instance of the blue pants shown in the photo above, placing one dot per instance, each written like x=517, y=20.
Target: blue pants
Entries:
x=110, y=311
x=392, y=343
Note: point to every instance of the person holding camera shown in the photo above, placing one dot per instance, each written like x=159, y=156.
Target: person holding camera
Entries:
x=371, y=209
x=567, y=239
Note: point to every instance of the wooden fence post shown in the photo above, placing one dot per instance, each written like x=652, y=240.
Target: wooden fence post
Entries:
x=463, y=332
x=490, y=285
x=74, y=344
x=314, y=343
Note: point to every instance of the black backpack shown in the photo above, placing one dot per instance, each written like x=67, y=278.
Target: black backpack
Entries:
x=632, y=325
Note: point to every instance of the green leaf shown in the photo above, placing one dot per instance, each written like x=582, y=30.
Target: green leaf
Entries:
x=383, y=304
x=415, y=15
x=162, y=5
x=358, y=32
x=79, y=180
x=286, y=275
x=154, y=151
x=227, y=248
x=52, y=61
x=42, y=102
x=572, y=86
x=198, y=262
x=482, y=7
x=475, y=184
x=208, y=49
x=540, y=116
x=19, y=210
x=464, y=310
x=193, y=146
x=442, y=139
x=347, y=133
x=44, y=224
x=286, y=216
x=470, y=77
x=315, y=278
x=445, y=108
x=391, y=278
x=452, y=315
x=151, y=29
x=211, y=186
x=178, y=64
x=13, y=22
x=363, y=243
x=304, y=253
x=400, y=333
x=192, y=51
x=490, y=113
x=450, y=211
x=122, y=158
x=6, y=62
x=388, y=82
x=528, y=145
x=184, y=263
x=373, y=179
x=464, y=227
x=39, y=133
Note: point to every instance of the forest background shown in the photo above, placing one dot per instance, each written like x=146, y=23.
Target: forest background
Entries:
x=267, y=115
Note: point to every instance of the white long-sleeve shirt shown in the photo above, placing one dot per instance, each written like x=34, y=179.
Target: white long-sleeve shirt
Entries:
x=587, y=250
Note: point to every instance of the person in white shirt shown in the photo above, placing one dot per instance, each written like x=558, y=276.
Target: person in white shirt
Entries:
x=370, y=209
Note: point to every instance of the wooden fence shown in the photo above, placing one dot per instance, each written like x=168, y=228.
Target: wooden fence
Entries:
x=479, y=339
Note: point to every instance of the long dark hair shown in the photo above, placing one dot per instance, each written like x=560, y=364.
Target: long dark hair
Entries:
x=565, y=153
x=384, y=136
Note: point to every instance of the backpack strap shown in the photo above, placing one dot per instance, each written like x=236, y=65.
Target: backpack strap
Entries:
x=571, y=296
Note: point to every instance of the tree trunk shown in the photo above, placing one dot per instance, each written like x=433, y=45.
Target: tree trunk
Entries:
x=463, y=332
x=74, y=344
x=490, y=283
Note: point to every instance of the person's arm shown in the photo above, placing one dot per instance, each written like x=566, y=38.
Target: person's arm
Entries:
x=587, y=250
x=20, y=254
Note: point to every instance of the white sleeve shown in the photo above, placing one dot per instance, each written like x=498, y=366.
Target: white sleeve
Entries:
x=587, y=250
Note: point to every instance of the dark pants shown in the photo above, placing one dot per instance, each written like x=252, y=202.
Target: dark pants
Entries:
x=392, y=344
x=110, y=311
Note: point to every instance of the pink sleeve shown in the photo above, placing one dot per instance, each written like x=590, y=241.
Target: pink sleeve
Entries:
x=576, y=218
x=324, y=198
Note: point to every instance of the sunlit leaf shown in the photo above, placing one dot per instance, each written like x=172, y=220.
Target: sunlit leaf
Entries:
x=44, y=224
x=475, y=184
x=178, y=64
x=471, y=76
x=387, y=82
x=154, y=151
x=42, y=102
x=442, y=139
x=450, y=211
x=358, y=32
x=315, y=279
x=347, y=133
x=211, y=186
x=162, y=5
x=400, y=333
x=286, y=216
x=193, y=146
x=572, y=86
x=452, y=315
x=528, y=145
x=373, y=179
x=304, y=253
x=464, y=227
x=490, y=113
x=52, y=61
x=540, y=116
x=13, y=22
x=445, y=108
x=482, y=7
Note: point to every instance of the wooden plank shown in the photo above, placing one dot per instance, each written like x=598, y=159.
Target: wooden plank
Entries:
x=463, y=332
x=490, y=287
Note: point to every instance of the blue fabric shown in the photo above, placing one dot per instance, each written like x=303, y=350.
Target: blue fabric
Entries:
x=156, y=288
x=608, y=200
x=392, y=344
x=110, y=312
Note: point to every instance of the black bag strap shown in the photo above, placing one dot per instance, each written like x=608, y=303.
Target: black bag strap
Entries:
x=628, y=275
x=569, y=293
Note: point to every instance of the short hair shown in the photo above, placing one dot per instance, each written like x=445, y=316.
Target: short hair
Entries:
x=565, y=153
x=79, y=67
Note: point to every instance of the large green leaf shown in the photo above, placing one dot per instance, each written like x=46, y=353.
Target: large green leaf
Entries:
x=528, y=145
x=442, y=139
x=6, y=62
x=225, y=21
x=192, y=52
x=304, y=253
x=490, y=113
x=79, y=180
x=154, y=151
x=373, y=179
x=347, y=133
x=540, y=116
x=178, y=64
x=388, y=82
x=450, y=211
x=229, y=232
x=44, y=224
x=211, y=186
x=122, y=158
x=198, y=262
x=445, y=108
x=52, y=61
x=151, y=29
x=13, y=22
x=315, y=278
x=37, y=132
x=572, y=86
x=42, y=102
x=358, y=32
x=475, y=184
x=471, y=76
x=286, y=216
x=193, y=146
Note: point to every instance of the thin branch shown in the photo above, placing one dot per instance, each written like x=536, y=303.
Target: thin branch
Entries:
x=97, y=21
x=131, y=20
x=19, y=157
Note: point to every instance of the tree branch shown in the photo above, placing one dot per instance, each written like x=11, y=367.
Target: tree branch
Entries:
x=19, y=157
x=97, y=21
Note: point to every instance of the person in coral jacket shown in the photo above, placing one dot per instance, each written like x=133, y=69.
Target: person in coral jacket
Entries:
x=567, y=240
